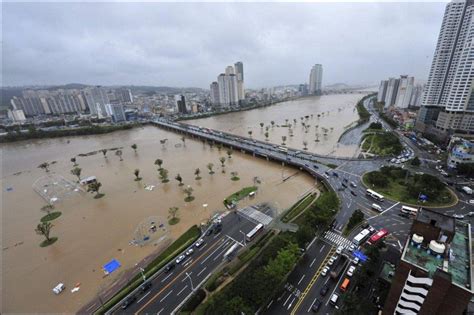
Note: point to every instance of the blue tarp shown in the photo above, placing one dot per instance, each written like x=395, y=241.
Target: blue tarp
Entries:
x=111, y=266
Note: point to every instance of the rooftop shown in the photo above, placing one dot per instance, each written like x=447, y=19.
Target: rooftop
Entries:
x=436, y=219
x=458, y=264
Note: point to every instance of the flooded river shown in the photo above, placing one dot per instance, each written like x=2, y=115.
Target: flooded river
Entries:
x=92, y=231
x=325, y=118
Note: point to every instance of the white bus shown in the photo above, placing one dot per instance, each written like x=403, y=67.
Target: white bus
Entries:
x=255, y=230
x=361, y=237
x=409, y=210
x=283, y=149
x=374, y=195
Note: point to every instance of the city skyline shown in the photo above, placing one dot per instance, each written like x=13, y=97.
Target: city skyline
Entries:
x=180, y=53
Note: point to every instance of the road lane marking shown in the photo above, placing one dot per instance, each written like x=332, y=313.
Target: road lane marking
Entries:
x=322, y=248
x=301, y=279
x=287, y=300
x=182, y=290
x=188, y=262
x=289, y=305
x=161, y=301
x=269, y=304
x=309, y=309
x=160, y=311
x=166, y=278
x=225, y=249
x=209, y=256
x=200, y=272
x=182, y=272
x=143, y=297
x=384, y=211
x=339, y=281
x=311, y=265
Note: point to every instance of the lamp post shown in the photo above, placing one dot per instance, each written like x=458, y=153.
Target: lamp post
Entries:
x=244, y=237
x=142, y=271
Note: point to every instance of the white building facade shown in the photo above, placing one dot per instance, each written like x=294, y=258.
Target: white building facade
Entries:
x=316, y=79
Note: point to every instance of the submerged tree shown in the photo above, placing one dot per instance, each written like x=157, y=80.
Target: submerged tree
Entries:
x=197, y=172
x=189, y=194
x=173, y=215
x=266, y=136
x=261, y=125
x=159, y=162
x=134, y=147
x=77, y=172
x=73, y=160
x=234, y=176
x=283, y=139
x=94, y=187
x=179, y=179
x=250, y=133
x=136, y=172
x=305, y=144
x=164, y=175
x=229, y=153
x=104, y=152
x=44, y=166
x=119, y=154
x=210, y=167
x=44, y=228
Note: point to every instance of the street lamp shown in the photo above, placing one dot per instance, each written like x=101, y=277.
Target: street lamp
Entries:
x=244, y=236
x=142, y=271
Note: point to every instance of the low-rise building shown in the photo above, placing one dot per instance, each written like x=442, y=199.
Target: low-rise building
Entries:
x=460, y=151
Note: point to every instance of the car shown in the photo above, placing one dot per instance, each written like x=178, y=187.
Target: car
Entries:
x=335, y=174
x=180, y=259
x=315, y=166
x=169, y=267
x=331, y=261
x=325, y=271
x=404, y=215
x=145, y=287
x=189, y=252
x=210, y=230
x=324, y=290
x=128, y=301
x=353, y=184
x=353, y=193
x=317, y=304
x=199, y=243
x=458, y=216
x=334, y=299
x=326, y=176
x=343, y=185
x=352, y=248
x=351, y=270
x=356, y=261
x=218, y=228
x=371, y=229
x=339, y=250
x=345, y=180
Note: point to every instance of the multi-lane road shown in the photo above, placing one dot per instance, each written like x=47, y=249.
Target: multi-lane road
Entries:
x=305, y=282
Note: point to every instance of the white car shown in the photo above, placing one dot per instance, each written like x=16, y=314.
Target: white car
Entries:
x=352, y=248
x=180, y=259
x=471, y=201
x=324, y=272
x=339, y=250
x=199, y=242
x=331, y=261
x=458, y=216
x=356, y=261
x=189, y=252
x=351, y=270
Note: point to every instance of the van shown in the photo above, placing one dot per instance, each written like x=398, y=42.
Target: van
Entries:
x=252, y=194
x=376, y=207
x=345, y=285
x=334, y=299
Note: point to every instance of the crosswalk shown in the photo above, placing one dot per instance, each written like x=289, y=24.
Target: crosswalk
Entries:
x=337, y=239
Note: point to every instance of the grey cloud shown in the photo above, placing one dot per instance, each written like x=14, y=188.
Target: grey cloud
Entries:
x=189, y=44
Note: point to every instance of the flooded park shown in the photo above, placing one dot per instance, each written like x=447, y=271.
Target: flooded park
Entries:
x=92, y=231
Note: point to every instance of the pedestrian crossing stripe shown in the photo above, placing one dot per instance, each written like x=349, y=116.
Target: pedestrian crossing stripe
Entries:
x=337, y=239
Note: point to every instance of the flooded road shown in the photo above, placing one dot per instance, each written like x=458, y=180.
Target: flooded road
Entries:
x=92, y=231
x=325, y=118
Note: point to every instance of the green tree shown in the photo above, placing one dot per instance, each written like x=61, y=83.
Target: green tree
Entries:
x=47, y=208
x=44, y=166
x=73, y=160
x=136, y=172
x=94, y=187
x=77, y=172
x=266, y=136
x=229, y=153
x=119, y=154
x=173, y=215
x=250, y=133
x=197, y=172
x=305, y=144
x=356, y=218
x=376, y=180
x=134, y=147
x=159, y=162
x=222, y=160
x=466, y=169
x=44, y=228
x=272, y=123
x=416, y=161
x=210, y=167
x=283, y=139
x=189, y=194
x=163, y=175
x=234, y=176
x=261, y=125
x=283, y=263
x=179, y=179
x=104, y=153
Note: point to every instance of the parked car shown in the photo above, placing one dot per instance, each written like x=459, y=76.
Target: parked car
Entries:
x=326, y=176
x=180, y=259
x=324, y=290
x=145, y=287
x=169, y=267
x=356, y=261
x=353, y=193
x=353, y=184
x=315, y=166
x=335, y=174
x=199, y=243
x=351, y=270
x=339, y=250
x=189, y=252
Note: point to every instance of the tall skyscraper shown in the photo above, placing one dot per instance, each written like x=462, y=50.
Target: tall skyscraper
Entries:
x=405, y=90
x=226, y=89
x=392, y=89
x=239, y=72
x=448, y=98
x=382, y=91
x=316, y=79
x=214, y=93
x=181, y=104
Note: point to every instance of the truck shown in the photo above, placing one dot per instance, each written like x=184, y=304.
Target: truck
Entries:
x=467, y=190
x=336, y=271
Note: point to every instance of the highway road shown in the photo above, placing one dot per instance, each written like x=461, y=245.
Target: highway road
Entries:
x=170, y=288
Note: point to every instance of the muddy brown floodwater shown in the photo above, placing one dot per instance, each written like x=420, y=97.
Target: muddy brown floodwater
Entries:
x=93, y=231
x=337, y=113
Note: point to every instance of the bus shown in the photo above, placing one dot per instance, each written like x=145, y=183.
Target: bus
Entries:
x=283, y=149
x=377, y=236
x=361, y=237
x=409, y=210
x=374, y=195
x=250, y=235
x=345, y=284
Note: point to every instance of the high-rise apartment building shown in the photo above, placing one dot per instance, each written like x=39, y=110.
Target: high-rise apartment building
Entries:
x=448, y=99
x=181, y=104
x=316, y=79
x=382, y=91
x=434, y=274
x=404, y=92
x=392, y=89
x=229, y=89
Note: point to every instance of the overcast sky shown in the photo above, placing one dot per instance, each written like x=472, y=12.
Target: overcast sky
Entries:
x=184, y=45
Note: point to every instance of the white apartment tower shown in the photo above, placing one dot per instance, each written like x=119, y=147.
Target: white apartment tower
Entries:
x=405, y=90
x=448, y=100
x=214, y=93
x=316, y=79
x=229, y=88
